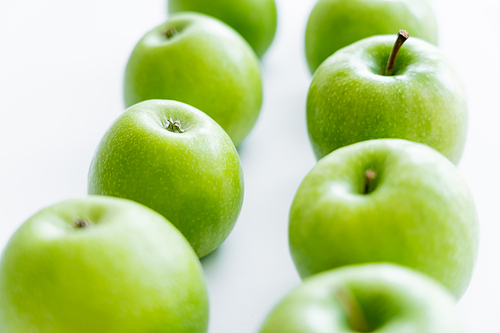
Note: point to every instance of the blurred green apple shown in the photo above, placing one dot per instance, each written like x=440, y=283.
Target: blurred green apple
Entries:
x=255, y=20
x=100, y=265
x=366, y=298
x=198, y=60
x=176, y=160
x=334, y=24
x=386, y=201
x=353, y=99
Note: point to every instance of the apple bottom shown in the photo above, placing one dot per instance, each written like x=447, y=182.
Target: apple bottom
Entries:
x=366, y=298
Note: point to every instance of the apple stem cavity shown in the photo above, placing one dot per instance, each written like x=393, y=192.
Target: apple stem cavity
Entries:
x=170, y=33
x=402, y=37
x=353, y=310
x=174, y=126
x=370, y=176
x=82, y=223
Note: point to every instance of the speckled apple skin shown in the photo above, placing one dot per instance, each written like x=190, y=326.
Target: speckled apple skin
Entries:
x=206, y=64
x=393, y=299
x=420, y=213
x=350, y=100
x=194, y=178
x=255, y=20
x=130, y=271
x=335, y=24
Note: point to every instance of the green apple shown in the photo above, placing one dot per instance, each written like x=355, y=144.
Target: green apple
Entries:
x=386, y=200
x=176, y=160
x=198, y=60
x=334, y=24
x=353, y=99
x=381, y=298
x=255, y=20
x=101, y=265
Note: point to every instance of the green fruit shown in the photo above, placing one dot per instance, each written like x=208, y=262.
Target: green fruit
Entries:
x=100, y=265
x=334, y=24
x=351, y=99
x=386, y=201
x=188, y=171
x=255, y=20
x=367, y=298
x=198, y=60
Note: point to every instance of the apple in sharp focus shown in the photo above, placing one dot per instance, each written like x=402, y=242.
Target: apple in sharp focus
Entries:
x=174, y=159
x=386, y=200
x=198, y=60
x=335, y=24
x=354, y=98
x=255, y=20
x=101, y=265
x=381, y=298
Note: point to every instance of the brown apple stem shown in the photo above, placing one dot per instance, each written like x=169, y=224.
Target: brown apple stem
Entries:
x=82, y=223
x=370, y=176
x=353, y=310
x=171, y=32
x=174, y=126
x=402, y=37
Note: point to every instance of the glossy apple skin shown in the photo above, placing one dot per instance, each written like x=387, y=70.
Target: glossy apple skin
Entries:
x=131, y=271
x=393, y=299
x=255, y=20
x=194, y=178
x=206, y=64
x=424, y=101
x=335, y=24
x=420, y=213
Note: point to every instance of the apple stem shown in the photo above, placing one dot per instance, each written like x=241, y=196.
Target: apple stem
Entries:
x=174, y=126
x=357, y=319
x=171, y=32
x=370, y=176
x=402, y=37
x=82, y=223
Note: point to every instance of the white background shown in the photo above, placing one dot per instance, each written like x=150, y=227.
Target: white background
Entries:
x=61, y=71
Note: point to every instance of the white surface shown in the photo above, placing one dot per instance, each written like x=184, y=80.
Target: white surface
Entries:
x=61, y=70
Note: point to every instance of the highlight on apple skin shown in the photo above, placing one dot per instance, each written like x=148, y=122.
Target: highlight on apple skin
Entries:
x=102, y=265
x=173, y=158
x=255, y=20
x=353, y=99
x=386, y=200
x=366, y=298
x=200, y=61
x=335, y=24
